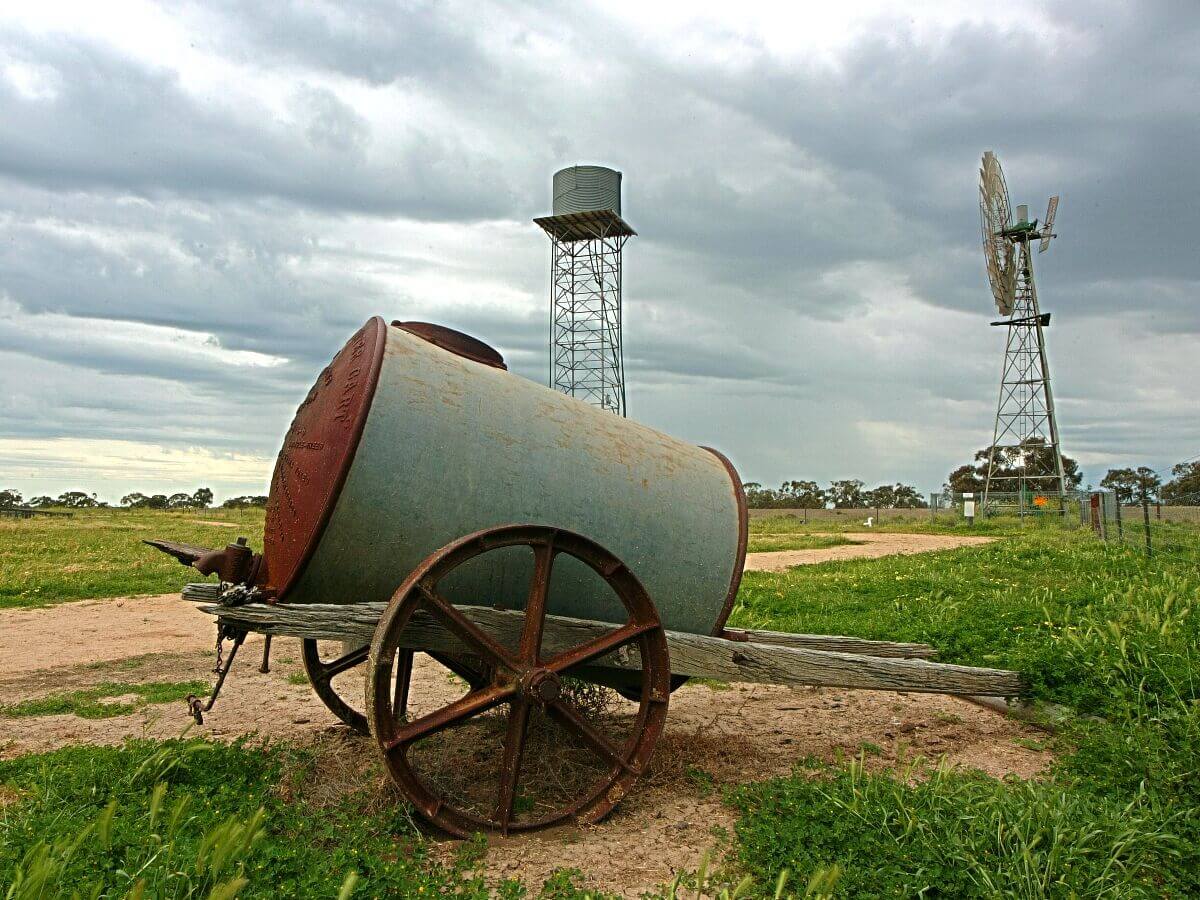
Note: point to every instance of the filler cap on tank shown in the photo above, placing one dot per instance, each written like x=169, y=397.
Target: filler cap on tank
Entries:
x=456, y=342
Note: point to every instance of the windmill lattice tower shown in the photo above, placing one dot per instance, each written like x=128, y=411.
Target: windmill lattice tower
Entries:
x=1026, y=429
x=587, y=238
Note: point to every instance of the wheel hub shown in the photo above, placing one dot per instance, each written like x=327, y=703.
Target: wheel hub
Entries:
x=541, y=686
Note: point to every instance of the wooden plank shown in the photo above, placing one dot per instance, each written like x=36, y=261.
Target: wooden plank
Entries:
x=691, y=654
x=209, y=592
x=836, y=642
x=202, y=592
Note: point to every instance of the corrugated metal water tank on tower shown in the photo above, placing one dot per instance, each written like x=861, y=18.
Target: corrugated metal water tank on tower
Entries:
x=586, y=188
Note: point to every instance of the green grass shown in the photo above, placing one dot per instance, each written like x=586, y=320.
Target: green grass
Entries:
x=180, y=818
x=87, y=703
x=768, y=543
x=956, y=835
x=1099, y=628
x=98, y=553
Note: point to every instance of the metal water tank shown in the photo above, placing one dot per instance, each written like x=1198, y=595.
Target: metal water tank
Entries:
x=585, y=189
x=415, y=436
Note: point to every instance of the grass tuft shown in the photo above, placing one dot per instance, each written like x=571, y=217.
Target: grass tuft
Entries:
x=90, y=703
x=770, y=543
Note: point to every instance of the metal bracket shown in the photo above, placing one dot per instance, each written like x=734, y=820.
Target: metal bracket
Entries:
x=198, y=707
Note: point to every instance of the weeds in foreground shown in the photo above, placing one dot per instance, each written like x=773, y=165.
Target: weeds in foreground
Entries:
x=159, y=863
x=706, y=884
x=959, y=834
x=186, y=818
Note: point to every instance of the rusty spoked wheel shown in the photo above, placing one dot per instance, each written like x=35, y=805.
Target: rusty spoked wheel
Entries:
x=322, y=666
x=535, y=744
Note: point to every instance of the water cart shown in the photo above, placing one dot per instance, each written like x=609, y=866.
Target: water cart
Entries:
x=503, y=585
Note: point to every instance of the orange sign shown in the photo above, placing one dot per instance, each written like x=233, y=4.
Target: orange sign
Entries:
x=1040, y=501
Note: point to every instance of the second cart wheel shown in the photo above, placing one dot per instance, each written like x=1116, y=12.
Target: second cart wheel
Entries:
x=322, y=667
x=536, y=745
x=324, y=661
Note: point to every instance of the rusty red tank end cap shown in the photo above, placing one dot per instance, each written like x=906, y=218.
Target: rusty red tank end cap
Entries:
x=456, y=342
x=316, y=457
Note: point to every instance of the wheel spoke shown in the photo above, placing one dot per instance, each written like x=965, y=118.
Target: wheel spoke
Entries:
x=404, y=667
x=566, y=714
x=342, y=663
x=465, y=628
x=510, y=767
x=598, y=647
x=472, y=704
x=535, y=605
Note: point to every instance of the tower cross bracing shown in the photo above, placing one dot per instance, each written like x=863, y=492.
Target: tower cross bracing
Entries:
x=1026, y=425
x=587, y=356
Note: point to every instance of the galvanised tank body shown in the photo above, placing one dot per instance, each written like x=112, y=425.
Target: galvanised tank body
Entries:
x=585, y=189
x=403, y=446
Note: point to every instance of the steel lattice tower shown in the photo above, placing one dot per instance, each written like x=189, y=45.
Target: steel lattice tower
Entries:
x=587, y=237
x=1025, y=422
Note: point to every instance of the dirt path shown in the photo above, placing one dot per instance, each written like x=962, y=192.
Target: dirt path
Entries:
x=93, y=631
x=867, y=545
x=715, y=736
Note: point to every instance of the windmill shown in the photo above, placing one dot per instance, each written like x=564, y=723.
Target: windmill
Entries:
x=1025, y=457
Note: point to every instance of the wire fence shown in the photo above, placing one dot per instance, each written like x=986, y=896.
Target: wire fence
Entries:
x=1147, y=526
x=1069, y=507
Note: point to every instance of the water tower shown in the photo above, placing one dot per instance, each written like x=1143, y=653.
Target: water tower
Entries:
x=587, y=236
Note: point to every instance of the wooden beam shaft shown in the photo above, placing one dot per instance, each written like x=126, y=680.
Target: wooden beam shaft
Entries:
x=691, y=654
x=209, y=592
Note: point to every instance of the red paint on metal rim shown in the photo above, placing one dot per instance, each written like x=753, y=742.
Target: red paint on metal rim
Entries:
x=743, y=539
x=316, y=457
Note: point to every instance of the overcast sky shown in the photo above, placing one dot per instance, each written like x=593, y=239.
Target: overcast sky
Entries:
x=200, y=203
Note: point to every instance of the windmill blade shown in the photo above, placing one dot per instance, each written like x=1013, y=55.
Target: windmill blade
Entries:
x=1051, y=209
x=995, y=217
x=1048, y=228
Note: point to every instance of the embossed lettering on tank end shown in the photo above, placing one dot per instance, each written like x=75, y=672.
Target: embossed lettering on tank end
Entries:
x=317, y=454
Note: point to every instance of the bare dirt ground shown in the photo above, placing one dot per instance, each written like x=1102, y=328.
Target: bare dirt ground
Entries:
x=867, y=545
x=716, y=736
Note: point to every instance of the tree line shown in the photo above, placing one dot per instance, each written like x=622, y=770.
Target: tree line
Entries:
x=201, y=498
x=846, y=493
x=1034, y=459
x=1130, y=485
x=1143, y=484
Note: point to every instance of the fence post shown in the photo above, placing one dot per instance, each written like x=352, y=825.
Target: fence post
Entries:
x=1094, y=506
x=1146, y=522
x=932, y=508
x=1104, y=518
x=1120, y=531
x=1158, y=510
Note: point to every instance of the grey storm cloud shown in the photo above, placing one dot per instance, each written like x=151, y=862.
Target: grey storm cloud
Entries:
x=806, y=291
